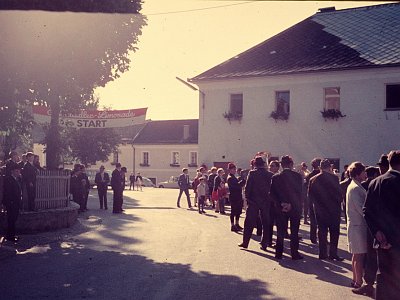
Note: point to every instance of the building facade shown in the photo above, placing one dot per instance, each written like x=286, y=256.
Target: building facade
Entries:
x=314, y=90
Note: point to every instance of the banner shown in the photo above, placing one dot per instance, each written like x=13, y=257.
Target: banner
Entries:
x=93, y=118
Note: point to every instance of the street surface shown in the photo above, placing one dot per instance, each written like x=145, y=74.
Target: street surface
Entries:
x=157, y=251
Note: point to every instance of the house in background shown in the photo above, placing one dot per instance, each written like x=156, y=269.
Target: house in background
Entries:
x=163, y=148
x=328, y=86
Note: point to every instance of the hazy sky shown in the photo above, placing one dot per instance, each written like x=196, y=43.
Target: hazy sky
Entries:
x=184, y=38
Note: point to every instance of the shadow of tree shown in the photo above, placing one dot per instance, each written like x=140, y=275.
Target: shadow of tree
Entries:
x=72, y=271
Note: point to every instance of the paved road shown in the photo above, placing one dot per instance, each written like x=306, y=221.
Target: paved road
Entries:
x=157, y=251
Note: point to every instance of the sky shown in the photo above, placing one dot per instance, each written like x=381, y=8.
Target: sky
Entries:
x=184, y=38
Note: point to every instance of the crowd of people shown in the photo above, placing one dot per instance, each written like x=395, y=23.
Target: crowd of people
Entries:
x=19, y=173
x=274, y=193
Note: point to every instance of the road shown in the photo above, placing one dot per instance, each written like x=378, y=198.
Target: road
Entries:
x=157, y=251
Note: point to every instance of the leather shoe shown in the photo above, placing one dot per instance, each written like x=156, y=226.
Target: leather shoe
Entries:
x=366, y=290
x=263, y=248
x=278, y=256
x=323, y=257
x=337, y=258
x=242, y=245
x=234, y=228
x=239, y=227
x=297, y=257
x=314, y=242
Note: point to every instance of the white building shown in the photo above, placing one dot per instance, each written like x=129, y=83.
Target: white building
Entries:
x=344, y=62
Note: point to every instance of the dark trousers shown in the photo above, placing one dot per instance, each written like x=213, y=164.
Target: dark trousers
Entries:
x=271, y=223
x=31, y=195
x=282, y=220
x=388, y=278
x=117, y=201
x=371, y=261
x=313, y=224
x=333, y=226
x=202, y=200
x=253, y=213
x=102, y=198
x=12, y=216
x=187, y=196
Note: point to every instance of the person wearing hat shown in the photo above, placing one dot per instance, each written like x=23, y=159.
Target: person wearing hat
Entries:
x=11, y=162
x=235, y=197
x=324, y=192
x=117, y=187
x=29, y=174
x=286, y=192
x=383, y=164
x=102, y=179
x=258, y=202
x=12, y=199
x=382, y=214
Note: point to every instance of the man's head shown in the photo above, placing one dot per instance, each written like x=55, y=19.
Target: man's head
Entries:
x=325, y=165
x=394, y=159
x=123, y=171
x=118, y=166
x=185, y=171
x=232, y=168
x=383, y=164
x=274, y=166
x=220, y=172
x=102, y=169
x=287, y=162
x=23, y=157
x=16, y=170
x=259, y=162
x=372, y=172
x=315, y=163
x=303, y=166
x=30, y=157
x=357, y=171
x=14, y=156
x=214, y=170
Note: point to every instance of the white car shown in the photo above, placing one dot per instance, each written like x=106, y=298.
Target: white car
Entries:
x=171, y=183
x=147, y=182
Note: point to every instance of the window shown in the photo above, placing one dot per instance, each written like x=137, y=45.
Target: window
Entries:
x=193, y=159
x=332, y=98
x=282, y=102
x=236, y=107
x=393, y=97
x=145, y=159
x=175, y=158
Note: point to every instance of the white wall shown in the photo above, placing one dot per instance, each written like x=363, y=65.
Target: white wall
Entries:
x=364, y=134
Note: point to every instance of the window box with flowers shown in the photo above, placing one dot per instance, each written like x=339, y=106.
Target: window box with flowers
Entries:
x=279, y=115
x=232, y=116
x=333, y=114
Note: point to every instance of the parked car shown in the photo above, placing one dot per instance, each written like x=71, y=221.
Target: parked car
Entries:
x=171, y=183
x=147, y=182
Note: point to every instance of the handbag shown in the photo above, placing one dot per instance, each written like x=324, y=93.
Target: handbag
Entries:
x=214, y=195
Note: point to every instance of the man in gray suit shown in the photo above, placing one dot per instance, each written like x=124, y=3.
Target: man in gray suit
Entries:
x=184, y=185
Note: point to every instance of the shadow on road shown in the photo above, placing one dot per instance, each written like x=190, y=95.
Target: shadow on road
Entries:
x=72, y=271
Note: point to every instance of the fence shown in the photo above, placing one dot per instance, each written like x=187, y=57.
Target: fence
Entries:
x=52, y=190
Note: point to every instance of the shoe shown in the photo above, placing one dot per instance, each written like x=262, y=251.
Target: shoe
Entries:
x=306, y=222
x=217, y=211
x=263, y=248
x=297, y=257
x=243, y=246
x=222, y=213
x=178, y=206
x=337, y=258
x=323, y=257
x=239, y=227
x=200, y=212
x=314, y=241
x=234, y=228
x=203, y=211
x=366, y=290
x=278, y=256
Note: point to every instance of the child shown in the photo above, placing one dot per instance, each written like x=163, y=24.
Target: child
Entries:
x=201, y=194
x=222, y=194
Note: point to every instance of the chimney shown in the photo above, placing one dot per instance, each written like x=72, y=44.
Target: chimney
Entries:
x=327, y=9
x=185, y=132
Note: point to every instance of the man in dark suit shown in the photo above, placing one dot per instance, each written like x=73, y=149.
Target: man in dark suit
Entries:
x=11, y=162
x=286, y=192
x=324, y=192
x=382, y=214
x=12, y=199
x=257, y=189
x=102, y=179
x=313, y=221
x=29, y=173
x=118, y=188
x=184, y=184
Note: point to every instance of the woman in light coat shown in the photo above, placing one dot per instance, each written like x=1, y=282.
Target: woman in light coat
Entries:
x=356, y=225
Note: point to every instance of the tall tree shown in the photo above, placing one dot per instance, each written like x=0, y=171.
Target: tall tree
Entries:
x=58, y=59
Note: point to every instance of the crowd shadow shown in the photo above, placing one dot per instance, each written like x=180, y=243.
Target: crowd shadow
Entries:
x=74, y=272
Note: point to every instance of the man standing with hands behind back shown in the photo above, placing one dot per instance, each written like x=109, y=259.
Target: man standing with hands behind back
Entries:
x=102, y=179
x=29, y=173
x=382, y=214
x=286, y=192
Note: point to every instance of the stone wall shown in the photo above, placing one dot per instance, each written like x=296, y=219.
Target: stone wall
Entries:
x=44, y=220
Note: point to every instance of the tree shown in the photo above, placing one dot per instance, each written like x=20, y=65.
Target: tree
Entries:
x=58, y=59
